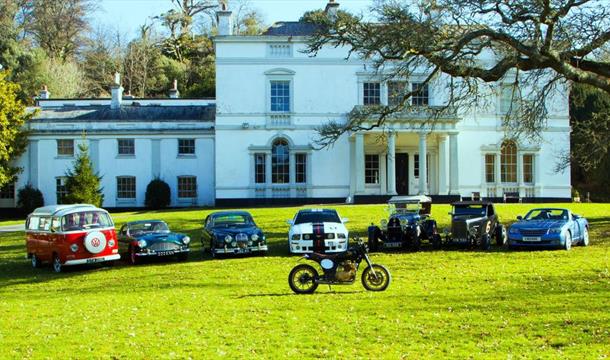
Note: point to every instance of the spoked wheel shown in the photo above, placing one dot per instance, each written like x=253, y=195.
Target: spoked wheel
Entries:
x=302, y=279
x=57, y=266
x=35, y=261
x=437, y=242
x=378, y=280
x=501, y=235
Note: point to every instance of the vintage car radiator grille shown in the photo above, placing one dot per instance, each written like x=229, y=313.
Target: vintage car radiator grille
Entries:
x=459, y=229
x=533, y=232
x=164, y=246
x=241, y=237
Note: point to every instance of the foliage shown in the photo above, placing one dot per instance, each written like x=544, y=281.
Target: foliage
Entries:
x=82, y=183
x=29, y=198
x=158, y=194
x=540, y=44
x=441, y=304
x=13, y=135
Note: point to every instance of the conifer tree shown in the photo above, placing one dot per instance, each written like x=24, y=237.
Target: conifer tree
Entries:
x=83, y=185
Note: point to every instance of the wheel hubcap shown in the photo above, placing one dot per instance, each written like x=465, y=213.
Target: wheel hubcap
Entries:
x=56, y=264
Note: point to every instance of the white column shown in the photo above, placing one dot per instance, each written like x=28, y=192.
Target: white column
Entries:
x=520, y=173
x=423, y=166
x=359, y=144
x=411, y=173
x=537, y=175
x=383, y=174
x=392, y=163
x=453, y=166
x=498, y=173
x=442, y=165
x=292, y=173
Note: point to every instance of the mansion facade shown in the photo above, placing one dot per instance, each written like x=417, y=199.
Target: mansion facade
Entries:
x=254, y=143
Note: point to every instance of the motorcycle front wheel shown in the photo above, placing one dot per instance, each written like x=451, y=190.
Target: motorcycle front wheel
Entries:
x=302, y=279
x=378, y=280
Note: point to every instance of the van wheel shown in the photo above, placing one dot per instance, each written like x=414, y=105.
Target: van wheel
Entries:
x=57, y=266
x=35, y=261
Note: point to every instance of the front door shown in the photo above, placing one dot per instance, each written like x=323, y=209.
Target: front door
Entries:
x=402, y=173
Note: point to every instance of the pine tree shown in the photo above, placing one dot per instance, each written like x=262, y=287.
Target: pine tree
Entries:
x=82, y=183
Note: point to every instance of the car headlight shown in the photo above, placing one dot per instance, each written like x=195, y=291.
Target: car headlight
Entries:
x=111, y=243
x=307, y=237
x=228, y=239
x=341, y=236
x=296, y=237
x=513, y=230
x=186, y=240
x=330, y=236
x=142, y=243
x=254, y=237
x=555, y=231
x=234, y=244
x=74, y=247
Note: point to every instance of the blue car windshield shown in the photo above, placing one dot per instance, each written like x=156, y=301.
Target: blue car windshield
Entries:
x=547, y=214
x=305, y=217
x=478, y=210
x=232, y=220
x=148, y=227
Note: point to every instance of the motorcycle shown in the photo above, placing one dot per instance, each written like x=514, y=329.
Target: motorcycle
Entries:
x=339, y=269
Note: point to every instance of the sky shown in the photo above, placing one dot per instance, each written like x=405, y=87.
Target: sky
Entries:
x=127, y=15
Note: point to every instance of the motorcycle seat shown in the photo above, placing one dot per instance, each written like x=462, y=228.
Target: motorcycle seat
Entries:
x=319, y=257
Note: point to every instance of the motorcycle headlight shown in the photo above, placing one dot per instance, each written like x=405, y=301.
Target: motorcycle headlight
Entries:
x=142, y=243
x=254, y=237
x=513, y=230
x=74, y=247
x=296, y=237
x=555, y=231
x=341, y=236
x=186, y=240
x=228, y=239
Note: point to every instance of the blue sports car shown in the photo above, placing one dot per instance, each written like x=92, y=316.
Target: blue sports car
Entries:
x=549, y=228
x=152, y=238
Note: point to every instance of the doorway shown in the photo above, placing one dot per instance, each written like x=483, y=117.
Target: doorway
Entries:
x=402, y=173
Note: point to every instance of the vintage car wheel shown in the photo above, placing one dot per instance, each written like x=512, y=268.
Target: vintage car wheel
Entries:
x=485, y=242
x=35, y=261
x=133, y=258
x=379, y=281
x=500, y=235
x=585, y=237
x=57, y=266
x=437, y=242
x=303, y=279
x=183, y=256
x=568, y=244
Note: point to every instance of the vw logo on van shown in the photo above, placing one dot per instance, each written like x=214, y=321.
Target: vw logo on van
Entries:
x=96, y=242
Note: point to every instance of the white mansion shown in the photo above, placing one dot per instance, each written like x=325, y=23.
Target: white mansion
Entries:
x=253, y=143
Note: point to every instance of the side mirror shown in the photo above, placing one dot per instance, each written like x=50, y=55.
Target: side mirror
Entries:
x=289, y=222
x=519, y=217
x=344, y=220
x=450, y=213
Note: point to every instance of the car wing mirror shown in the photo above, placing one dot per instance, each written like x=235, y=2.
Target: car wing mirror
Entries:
x=289, y=222
x=344, y=220
x=519, y=217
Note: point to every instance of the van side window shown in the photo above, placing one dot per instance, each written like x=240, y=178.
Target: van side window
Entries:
x=55, y=223
x=44, y=224
x=33, y=223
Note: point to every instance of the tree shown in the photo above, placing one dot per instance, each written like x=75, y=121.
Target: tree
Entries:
x=542, y=43
x=29, y=198
x=82, y=183
x=13, y=136
x=102, y=56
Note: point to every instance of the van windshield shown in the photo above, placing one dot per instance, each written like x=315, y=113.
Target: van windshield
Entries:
x=85, y=220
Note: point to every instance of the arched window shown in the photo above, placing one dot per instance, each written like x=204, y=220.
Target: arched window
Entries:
x=280, y=162
x=508, y=161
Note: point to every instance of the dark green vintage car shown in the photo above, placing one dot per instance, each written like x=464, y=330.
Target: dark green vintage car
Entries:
x=151, y=238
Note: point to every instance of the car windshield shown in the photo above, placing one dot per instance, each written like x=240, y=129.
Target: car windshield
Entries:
x=304, y=217
x=547, y=214
x=232, y=220
x=148, y=227
x=478, y=210
x=405, y=207
x=85, y=220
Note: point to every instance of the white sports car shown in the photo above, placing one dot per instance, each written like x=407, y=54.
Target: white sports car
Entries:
x=317, y=230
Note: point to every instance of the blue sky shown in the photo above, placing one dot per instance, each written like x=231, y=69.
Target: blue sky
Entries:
x=127, y=15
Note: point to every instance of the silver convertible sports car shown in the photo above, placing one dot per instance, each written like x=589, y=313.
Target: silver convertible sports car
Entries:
x=549, y=228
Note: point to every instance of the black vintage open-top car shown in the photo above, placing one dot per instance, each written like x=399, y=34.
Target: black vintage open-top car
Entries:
x=232, y=232
x=474, y=223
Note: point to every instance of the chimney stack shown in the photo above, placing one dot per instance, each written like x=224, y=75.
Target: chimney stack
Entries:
x=331, y=10
x=173, y=92
x=44, y=93
x=117, y=92
x=225, y=20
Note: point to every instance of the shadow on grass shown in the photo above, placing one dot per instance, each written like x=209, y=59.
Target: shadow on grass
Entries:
x=318, y=292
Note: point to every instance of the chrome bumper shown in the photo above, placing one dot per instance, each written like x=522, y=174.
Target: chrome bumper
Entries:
x=93, y=260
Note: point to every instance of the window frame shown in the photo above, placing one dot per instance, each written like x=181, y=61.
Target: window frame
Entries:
x=300, y=168
x=369, y=94
x=276, y=174
x=182, y=147
x=508, y=162
x=184, y=193
x=488, y=168
x=419, y=97
x=529, y=167
x=122, y=147
x=7, y=192
x=288, y=98
x=260, y=177
x=125, y=194
x=62, y=146
x=60, y=189
x=371, y=169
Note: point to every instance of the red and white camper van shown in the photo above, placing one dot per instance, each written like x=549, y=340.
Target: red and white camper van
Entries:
x=67, y=235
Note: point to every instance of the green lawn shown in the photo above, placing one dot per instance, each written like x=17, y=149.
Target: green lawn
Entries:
x=454, y=303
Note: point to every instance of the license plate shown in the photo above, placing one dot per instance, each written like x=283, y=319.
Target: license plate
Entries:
x=242, y=251
x=393, y=245
x=531, y=238
x=165, y=253
x=94, y=260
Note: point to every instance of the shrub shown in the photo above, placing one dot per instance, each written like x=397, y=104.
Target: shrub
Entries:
x=29, y=198
x=158, y=194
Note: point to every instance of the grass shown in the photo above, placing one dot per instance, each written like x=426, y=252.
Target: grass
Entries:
x=454, y=303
